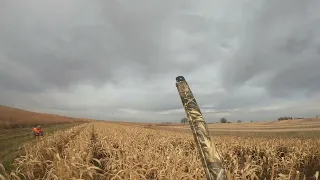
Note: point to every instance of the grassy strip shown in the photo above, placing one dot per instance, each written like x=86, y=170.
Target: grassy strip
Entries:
x=11, y=141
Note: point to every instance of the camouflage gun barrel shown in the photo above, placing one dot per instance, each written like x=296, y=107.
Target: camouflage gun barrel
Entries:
x=210, y=158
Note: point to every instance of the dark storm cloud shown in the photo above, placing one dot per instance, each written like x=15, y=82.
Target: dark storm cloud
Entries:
x=66, y=50
x=119, y=59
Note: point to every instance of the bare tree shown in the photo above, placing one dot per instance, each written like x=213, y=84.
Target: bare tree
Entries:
x=184, y=120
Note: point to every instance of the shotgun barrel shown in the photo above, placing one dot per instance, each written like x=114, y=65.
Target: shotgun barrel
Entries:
x=210, y=157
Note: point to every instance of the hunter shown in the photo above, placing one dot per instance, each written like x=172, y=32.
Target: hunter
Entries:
x=37, y=131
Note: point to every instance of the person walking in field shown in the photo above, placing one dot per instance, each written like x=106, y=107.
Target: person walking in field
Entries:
x=37, y=132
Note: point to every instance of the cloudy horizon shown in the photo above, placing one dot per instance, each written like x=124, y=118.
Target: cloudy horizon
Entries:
x=118, y=60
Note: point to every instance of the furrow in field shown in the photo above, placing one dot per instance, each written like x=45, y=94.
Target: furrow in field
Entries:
x=138, y=153
x=113, y=151
x=75, y=160
x=39, y=157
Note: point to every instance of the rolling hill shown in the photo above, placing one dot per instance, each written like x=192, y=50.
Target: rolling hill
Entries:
x=17, y=118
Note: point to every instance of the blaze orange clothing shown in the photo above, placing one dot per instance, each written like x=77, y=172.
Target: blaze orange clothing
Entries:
x=37, y=132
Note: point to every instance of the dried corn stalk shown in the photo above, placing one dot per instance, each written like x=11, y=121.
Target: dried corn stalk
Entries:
x=210, y=158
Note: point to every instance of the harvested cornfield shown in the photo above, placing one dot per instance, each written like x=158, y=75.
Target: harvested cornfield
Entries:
x=114, y=151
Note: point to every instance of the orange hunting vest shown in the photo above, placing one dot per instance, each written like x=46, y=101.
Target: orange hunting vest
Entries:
x=37, y=130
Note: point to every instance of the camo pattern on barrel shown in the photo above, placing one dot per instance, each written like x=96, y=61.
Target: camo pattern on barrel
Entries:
x=209, y=155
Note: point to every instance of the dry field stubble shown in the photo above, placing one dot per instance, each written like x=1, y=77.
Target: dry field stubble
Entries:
x=12, y=118
x=299, y=128
x=113, y=151
x=308, y=124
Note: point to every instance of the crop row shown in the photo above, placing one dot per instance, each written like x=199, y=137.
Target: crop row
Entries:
x=113, y=151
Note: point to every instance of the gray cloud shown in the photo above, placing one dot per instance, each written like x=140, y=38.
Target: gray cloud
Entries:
x=119, y=59
x=281, y=45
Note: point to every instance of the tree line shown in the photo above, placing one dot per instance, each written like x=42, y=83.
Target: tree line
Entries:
x=222, y=120
x=288, y=118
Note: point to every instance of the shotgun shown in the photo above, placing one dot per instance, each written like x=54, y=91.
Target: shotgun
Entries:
x=209, y=155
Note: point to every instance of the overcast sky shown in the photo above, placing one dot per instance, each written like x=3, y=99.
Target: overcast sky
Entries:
x=118, y=60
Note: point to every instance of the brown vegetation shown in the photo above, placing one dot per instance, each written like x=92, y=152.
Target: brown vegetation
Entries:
x=114, y=151
x=17, y=118
x=309, y=124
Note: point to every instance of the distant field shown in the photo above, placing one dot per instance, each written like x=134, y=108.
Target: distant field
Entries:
x=18, y=118
x=279, y=126
x=288, y=128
